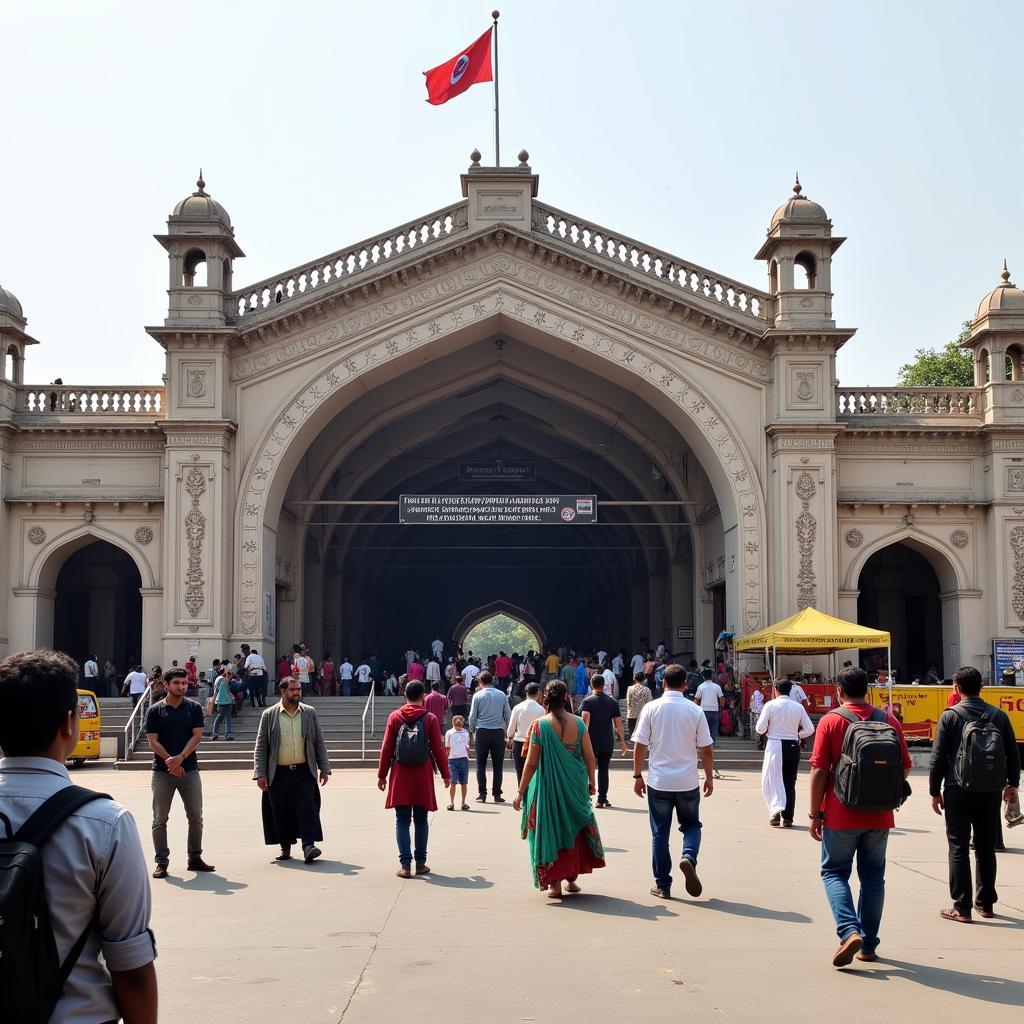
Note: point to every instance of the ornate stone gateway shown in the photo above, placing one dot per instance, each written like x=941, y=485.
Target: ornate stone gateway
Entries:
x=257, y=493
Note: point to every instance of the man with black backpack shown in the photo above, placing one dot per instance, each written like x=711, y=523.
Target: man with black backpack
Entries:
x=73, y=879
x=975, y=765
x=412, y=747
x=858, y=778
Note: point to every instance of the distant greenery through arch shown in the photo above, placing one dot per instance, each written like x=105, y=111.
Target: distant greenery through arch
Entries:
x=499, y=633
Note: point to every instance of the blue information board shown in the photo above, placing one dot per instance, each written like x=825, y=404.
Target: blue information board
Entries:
x=1006, y=654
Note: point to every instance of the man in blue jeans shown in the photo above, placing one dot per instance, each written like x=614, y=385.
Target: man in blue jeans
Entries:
x=671, y=731
x=845, y=833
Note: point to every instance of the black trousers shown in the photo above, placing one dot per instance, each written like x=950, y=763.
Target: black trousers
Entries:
x=490, y=743
x=293, y=800
x=790, y=767
x=517, y=758
x=630, y=727
x=980, y=812
x=604, y=758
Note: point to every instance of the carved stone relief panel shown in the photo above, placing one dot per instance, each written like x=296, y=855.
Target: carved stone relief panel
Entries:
x=806, y=535
x=1016, y=578
x=196, y=384
x=193, y=563
x=805, y=392
x=1014, y=479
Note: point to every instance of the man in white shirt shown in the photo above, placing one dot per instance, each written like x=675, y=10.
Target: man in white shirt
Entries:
x=796, y=693
x=673, y=729
x=661, y=651
x=602, y=657
x=135, y=684
x=611, y=684
x=256, y=676
x=756, y=704
x=618, y=666
x=345, y=671
x=91, y=672
x=636, y=664
x=433, y=671
x=710, y=699
x=365, y=679
x=784, y=723
x=437, y=649
x=469, y=674
x=524, y=714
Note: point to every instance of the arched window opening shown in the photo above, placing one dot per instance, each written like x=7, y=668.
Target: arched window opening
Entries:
x=11, y=364
x=806, y=262
x=98, y=607
x=226, y=275
x=194, y=275
x=773, y=277
x=900, y=592
x=500, y=633
x=1013, y=362
x=984, y=366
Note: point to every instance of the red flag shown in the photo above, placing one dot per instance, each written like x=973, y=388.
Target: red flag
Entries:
x=455, y=76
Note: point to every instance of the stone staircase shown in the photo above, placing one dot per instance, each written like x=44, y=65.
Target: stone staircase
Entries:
x=341, y=720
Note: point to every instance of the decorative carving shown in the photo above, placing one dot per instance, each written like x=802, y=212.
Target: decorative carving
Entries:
x=143, y=535
x=806, y=532
x=195, y=535
x=1017, y=583
x=959, y=538
x=36, y=535
x=1017, y=394
x=1015, y=478
x=854, y=538
x=196, y=383
x=805, y=385
x=195, y=300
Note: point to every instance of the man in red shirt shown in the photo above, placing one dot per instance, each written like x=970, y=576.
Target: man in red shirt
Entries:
x=503, y=671
x=845, y=832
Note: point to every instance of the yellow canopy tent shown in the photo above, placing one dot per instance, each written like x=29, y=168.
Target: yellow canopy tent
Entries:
x=813, y=632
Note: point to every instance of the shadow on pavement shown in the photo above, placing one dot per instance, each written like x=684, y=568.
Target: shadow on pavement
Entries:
x=986, y=987
x=750, y=910
x=458, y=881
x=324, y=867
x=208, y=882
x=612, y=906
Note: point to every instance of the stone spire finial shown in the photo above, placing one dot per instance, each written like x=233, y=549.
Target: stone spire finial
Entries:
x=524, y=158
x=200, y=184
x=1004, y=277
x=475, y=158
x=797, y=187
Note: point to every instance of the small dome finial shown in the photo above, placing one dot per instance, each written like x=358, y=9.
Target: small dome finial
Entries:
x=200, y=184
x=1005, y=275
x=475, y=158
x=524, y=158
x=797, y=187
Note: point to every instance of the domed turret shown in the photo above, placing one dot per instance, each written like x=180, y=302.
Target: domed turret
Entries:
x=1006, y=297
x=9, y=303
x=200, y=206
x=798, y=209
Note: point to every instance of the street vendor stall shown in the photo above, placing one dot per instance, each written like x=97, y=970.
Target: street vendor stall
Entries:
x=812, y=632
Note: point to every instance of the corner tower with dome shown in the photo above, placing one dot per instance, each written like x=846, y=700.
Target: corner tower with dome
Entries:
x=254, y=495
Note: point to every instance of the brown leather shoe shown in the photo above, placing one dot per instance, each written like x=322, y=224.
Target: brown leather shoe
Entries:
x=850, y=947
x=867, y=958
x=662, y=894
x=160, y=871
x=952, y=914
x=198, y=864
x=404, y=873
x=422, y=869
x=984, y=912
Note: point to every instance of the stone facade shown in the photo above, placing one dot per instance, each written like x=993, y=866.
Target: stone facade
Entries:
x=714, y=403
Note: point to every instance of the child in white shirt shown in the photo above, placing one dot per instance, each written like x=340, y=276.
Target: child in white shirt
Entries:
x=456, y=744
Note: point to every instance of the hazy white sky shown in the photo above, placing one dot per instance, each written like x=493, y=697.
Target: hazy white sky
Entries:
x=677, y=123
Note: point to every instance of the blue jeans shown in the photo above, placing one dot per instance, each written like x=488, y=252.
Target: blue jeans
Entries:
x=224, y=713
x=713, y=717
x=660, y=806
x=405, y=814
x=838, y=847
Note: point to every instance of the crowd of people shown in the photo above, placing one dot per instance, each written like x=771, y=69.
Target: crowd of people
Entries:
x=94, y=865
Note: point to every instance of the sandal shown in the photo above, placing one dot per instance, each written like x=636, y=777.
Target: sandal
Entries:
x=465, y=807
x=572, y=887
x=952, y=914
x=451, y=807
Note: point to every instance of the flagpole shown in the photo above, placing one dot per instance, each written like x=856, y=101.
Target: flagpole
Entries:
x=497, y=148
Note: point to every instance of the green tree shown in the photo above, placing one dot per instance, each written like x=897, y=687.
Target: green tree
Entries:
x=499, y=633
x=951, y=366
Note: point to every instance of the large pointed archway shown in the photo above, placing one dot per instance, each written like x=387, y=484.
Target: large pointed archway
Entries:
x=500, y=607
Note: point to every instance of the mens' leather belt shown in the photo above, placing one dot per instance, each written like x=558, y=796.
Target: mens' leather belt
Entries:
x=292, y=767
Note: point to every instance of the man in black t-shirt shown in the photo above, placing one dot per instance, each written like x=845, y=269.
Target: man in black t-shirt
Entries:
x=602, y=715
x=174, y=728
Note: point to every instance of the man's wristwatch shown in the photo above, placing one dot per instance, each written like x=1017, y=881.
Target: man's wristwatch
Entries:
x=817, y=816
x=637, y=776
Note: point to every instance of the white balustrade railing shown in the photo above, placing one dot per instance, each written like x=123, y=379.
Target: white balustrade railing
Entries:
x=855, y=403
x=137, y=722
x=666, y=268
x=64, y=399
x=371, y=710
x=351, y=261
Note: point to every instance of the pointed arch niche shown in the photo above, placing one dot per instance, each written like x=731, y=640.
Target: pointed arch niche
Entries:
x=488, y=611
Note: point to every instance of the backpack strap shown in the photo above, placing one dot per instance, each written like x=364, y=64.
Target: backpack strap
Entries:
x=42, y=823
x=848, y=715
x=965, y=714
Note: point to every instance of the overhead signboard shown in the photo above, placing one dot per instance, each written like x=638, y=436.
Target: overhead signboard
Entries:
x=487, y=509
x=497, y=471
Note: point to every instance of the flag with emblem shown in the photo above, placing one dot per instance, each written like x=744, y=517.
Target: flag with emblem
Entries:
x=466, y=68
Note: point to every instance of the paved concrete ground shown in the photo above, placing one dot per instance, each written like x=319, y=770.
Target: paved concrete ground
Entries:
x=345, y=940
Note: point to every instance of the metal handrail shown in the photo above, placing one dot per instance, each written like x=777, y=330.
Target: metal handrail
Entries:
x=371, y=709
x=133, y=727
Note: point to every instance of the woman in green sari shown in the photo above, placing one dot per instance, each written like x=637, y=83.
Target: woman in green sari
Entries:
x=554, y=795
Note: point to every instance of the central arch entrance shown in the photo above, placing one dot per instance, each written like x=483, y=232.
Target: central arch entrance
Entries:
x=495, y=608
x=677, y=500
x=498, y=632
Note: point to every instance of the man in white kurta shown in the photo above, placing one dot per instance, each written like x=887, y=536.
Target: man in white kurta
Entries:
x=784, y=723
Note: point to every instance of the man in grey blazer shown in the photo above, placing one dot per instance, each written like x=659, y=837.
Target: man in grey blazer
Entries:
x=290, y=753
